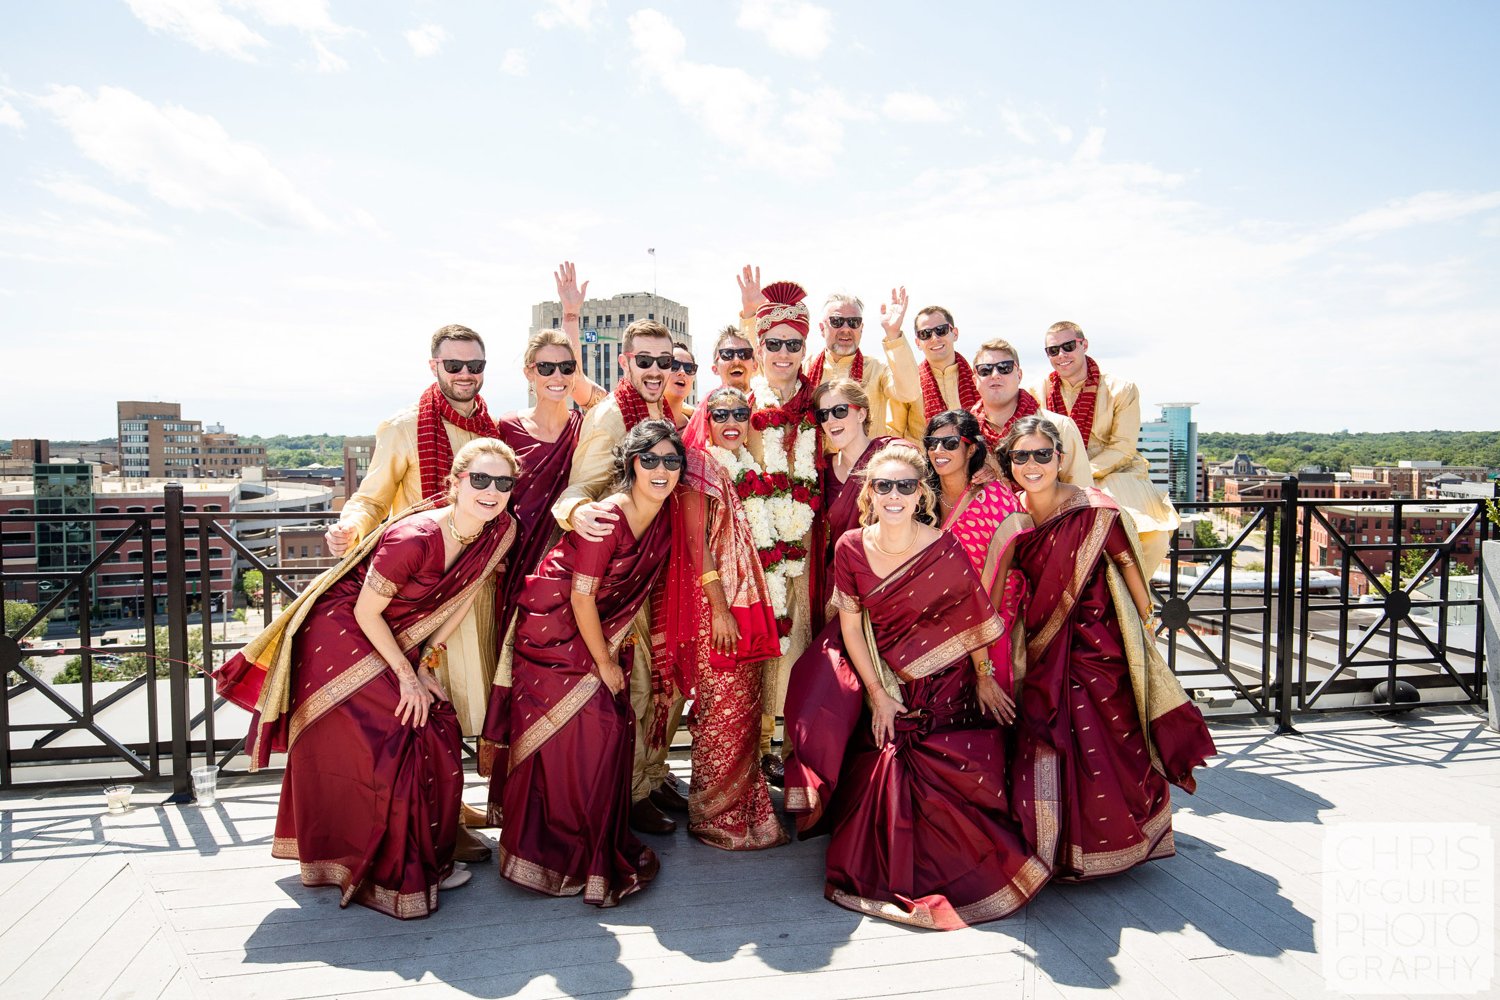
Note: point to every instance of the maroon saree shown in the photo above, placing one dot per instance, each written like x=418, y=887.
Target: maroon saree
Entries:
x=921, y=827
x=1098, y=696
x=564, y=788
x=367, y=804
x=839, y=514
x=545, y=466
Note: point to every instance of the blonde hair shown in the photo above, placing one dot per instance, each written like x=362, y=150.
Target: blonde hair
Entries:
x=850, y=390
x=897, y=451
x=1063, y=327
x=999, y=345
x=454, y=331
x=473, y=452
x=546, y=338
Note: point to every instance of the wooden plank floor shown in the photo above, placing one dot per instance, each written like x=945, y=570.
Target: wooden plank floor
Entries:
x=168, y=901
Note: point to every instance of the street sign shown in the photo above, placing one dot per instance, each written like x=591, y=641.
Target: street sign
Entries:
x=591, y=336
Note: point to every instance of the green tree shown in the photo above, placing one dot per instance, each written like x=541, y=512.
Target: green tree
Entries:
x=17, y=614
x=1204, y=535
x=252, y=584
x=132, y=665
x=1412, y=561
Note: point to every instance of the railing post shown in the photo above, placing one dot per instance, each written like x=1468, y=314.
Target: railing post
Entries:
x=177, y=645
x=1286, y=604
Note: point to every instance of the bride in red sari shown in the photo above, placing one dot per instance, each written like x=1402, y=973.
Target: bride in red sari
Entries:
x=374, y=773
x=1096, y=693
x=921, y=827
x=566, y=794
x=718, y=601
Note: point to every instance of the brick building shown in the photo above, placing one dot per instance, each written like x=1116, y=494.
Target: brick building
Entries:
x=1373, y=524
x=157, y=442
x=1409, y=480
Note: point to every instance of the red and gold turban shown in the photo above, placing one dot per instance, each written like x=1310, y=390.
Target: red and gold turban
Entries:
x=783, y=305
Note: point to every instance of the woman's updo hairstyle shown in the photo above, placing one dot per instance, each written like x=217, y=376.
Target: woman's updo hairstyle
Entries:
x=1021, y=428
x=638, y=440
x=906, y=454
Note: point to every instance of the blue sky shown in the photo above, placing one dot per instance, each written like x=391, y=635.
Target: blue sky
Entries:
x=261, y=208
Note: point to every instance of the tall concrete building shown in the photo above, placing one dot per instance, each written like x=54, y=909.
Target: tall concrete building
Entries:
x=157, y=442
x=603, y=323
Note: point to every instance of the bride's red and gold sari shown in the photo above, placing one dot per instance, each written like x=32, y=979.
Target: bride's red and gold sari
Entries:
x=564, y=789
x=729, y=805
x=1098, y=695
x=921, y=827
x=367, y=804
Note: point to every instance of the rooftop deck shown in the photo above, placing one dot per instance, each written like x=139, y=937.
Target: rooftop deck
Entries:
x=169, y=901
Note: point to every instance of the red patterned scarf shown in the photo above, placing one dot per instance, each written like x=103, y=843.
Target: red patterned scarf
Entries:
x=1026, y=406
x=1083, y=408
x=633, y=406
x=434, y=451
x=856, y=370
x=932, y=396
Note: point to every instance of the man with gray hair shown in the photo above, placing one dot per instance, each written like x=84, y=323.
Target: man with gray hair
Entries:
x=895, y=379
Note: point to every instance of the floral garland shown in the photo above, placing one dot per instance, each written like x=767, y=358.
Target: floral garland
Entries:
x=780, y=499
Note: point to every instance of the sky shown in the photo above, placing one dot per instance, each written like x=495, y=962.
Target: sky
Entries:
x=1287, y=212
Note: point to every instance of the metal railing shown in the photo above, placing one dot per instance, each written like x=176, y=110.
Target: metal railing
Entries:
x=1235, y=634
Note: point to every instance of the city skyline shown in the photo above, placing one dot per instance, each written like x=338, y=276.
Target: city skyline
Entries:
x=262, y=211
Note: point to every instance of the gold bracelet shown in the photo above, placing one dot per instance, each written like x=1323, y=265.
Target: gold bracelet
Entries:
x=985, y=668
x=707, y=578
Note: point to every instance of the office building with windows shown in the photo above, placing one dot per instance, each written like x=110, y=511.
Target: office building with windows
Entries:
x=603, y=323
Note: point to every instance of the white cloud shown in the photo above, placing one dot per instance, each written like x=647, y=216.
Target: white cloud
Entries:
x=740, y=110
x=10, y=117
x=426, y=40
x=201, y=23
x=911, y=107
x=513, y=63
x=185, y=159
x=1421, y=209
x=76, y=192
x=1026, y=126
x=791, y=27
x=206, y=25
x=568, y=13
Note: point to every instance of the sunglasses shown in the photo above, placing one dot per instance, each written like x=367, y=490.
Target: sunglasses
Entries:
x=546, y=368
x=906, y=487
x=1003, y=367
x=454, y=367
x=852, y=322
x=483, y=481
x=722, y=416
x=1066, y=347
x=792, y=346
x=945, y=443
x=663, y=361
x=838, y=411
x=691, y=367
x=941, y=330
x=1022, y=456
x=736, y=353
x=650, y=460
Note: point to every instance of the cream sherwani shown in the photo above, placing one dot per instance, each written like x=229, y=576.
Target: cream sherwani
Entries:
x=393, y=483
x=1075, y=468
x=886, y=383
x=1118, y=467
x=593, y=474
x=909, y=419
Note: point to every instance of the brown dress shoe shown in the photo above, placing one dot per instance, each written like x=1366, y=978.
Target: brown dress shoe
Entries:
x=646, y=818
x=772, y=767
x=470, y=848
x=668, y=797
x=473, y=818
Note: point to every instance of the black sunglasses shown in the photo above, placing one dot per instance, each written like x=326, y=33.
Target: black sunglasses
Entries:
x=546, y=368
x=663, y=361
x=1067, y=346
x=723, y=415
x=906, y=487
x=454, y=367
x=792, y=346
x=736, y=353
x=1022, y=456
x=941, y=330
x=483, y=480
x=691, y=367
x=947, y=443
x=1003, y=367
x=838, y=411
x=650, y=460
x=852, y=322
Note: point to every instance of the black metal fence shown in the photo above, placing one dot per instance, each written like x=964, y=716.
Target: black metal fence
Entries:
x=1240, y=638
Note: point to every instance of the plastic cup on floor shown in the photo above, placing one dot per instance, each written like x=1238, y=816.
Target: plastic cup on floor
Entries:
x=205, y=785
x=117, y=797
